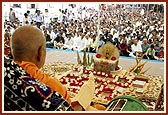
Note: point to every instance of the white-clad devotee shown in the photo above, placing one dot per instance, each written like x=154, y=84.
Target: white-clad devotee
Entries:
x=68, y=42
x=46, y=18
x=39, y=19
x=79, y=43
x=136, y=48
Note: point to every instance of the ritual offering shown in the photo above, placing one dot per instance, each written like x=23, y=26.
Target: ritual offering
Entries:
x=99, y=81
x=139, y=66
x=107, y=58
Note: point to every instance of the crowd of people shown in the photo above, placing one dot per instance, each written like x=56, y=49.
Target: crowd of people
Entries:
x=131, y=30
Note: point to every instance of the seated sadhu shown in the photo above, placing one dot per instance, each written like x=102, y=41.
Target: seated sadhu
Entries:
x=29, y=52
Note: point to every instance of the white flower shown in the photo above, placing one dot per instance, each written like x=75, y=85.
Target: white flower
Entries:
x=12, y=72
x=33, y=82
x=22, y=72
x=5, y=72
x=19, y=82
x=8, y=68
x=14, y=87
x=11, y=81
x=18, y=68
x=46, y=103
x=8, y=72
x=43, y=87
x=8, y=75
x=4, y=69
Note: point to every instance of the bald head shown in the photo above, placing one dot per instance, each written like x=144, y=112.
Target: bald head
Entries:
x=26, y=41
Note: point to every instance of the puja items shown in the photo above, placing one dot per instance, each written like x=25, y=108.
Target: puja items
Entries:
x=87, y=60
x=107, y=58
x=139, y=66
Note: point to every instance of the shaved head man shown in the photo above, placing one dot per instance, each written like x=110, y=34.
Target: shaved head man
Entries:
x=29, y=52
x=28, y=44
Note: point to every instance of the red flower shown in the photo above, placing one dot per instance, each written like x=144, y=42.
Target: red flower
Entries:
x=117, y=68
x=98, y=55
x=113, y=58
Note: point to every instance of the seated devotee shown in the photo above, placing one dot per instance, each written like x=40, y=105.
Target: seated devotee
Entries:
x=59, y=44
x=136, y=49
x=156, y=46
x=110, y=38
x=93, y=44
x=144, y=45
x=52, y=34
x=101, y=41
x=151, y=53
x=48, y=39
x=161, y=53
x=79, y=43
x=30, y=57
x=124, y=48
x=88, y=40
x=26, y=19
x=116, y=42
x=59, y=41
x=7, y=50
x=68, y=42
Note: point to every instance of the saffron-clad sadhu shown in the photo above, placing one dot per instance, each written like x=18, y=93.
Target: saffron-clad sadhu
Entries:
x=29, y=52
x=28, y=48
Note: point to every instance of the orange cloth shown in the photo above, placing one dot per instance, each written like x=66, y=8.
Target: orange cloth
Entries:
x=52, y=82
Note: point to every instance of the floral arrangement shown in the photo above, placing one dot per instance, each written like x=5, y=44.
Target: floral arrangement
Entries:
x=107, y=58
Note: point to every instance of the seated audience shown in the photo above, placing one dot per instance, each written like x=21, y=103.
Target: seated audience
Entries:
x=93, y=44
x=68, y=42
x=161, y=53
x=59, y=41
x=88, y=40
x=52, y=35
x=136, y=48
x=48, y=39
x=79, y=43
x=60, y=45
x=7, y=49
x=116, y=42
x=144, y=45
x=156, y=46
x=123, y=47
x=151, y=53
x=101, y=41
